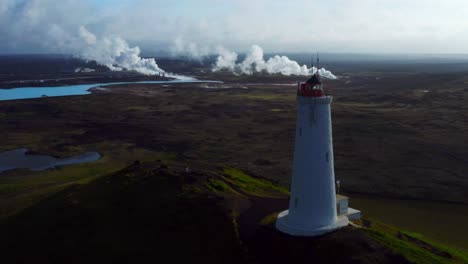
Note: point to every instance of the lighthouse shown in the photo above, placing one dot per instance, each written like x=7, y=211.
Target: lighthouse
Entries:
x=313, y=208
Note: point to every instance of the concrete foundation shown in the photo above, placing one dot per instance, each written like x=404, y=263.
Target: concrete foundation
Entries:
x=284, y=226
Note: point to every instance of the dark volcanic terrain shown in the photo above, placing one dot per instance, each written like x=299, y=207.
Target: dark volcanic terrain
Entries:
x=58, y=70
x=397, y=135
x=393, y=137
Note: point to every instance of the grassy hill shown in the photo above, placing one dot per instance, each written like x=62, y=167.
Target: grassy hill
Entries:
x=150, y=213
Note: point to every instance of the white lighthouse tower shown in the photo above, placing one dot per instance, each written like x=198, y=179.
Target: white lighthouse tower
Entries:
x=312, y=206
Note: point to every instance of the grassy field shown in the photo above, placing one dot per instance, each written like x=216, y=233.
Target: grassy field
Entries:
x=253, y=186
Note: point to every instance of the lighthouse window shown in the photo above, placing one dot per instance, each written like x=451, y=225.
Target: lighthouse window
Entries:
x=327, y=157
x=295, y=202
x=300, y=131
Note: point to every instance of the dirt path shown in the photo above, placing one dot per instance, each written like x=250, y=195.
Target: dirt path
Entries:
x=250, y=219
x=260, y=207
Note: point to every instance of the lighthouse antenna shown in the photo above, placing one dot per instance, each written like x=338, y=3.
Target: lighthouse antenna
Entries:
x=318, y=60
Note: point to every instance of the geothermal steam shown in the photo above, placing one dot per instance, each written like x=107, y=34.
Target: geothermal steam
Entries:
x=226, y=60
x=115, y=53
x=255, y=62
x=190, y=50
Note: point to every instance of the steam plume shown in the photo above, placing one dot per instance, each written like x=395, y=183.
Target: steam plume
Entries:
x=189, y=49
x=226, y=60
x=255, y=62
x=115, y=53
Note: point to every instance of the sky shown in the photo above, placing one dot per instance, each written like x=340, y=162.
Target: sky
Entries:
x=200, y=26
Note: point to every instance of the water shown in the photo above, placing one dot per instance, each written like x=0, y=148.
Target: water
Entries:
x=19, y=159
x=67, y=90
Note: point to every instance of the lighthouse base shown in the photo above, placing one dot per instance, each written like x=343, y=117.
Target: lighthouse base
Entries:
x=283, y=226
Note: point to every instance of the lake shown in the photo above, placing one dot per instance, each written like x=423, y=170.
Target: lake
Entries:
x=67, y=90
x=20, y=159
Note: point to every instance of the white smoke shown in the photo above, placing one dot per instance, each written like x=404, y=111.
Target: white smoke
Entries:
x=190, y=50
x=55, y=27
x=115, y=53
x=87, y=36
x=255, y=62
x=226, y=59
x=5, y=5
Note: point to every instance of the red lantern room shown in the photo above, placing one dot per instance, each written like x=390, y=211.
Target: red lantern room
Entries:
x=311, y=88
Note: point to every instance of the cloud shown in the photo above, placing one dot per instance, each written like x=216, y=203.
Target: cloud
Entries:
x=57, y=27
x=41, y=25
x=296, y=25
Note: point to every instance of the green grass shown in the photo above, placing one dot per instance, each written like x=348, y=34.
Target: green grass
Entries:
x=407, y=249
x=155, y=220
x=22, y=188
x=254, y=186
x=276, y=110
x=26, y=188
x=414, y=246
x=68, y=174
x=269, y=219
x=217, y=186
x=461, y=254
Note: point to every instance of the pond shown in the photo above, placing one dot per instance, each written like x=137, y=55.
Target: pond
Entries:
x=21, y=159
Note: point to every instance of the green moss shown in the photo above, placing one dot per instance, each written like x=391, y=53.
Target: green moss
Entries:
x=269, y=219
x=408, y=250
x=458, y=253
x=217, y=185
x=254, y=186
